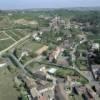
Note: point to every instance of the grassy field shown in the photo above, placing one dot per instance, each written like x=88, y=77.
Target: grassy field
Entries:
x=2, y=35
x=5, y=43
x=17, y=34
x=33, y=46
x=29, y=45
x=75, y=97
x=7, y=90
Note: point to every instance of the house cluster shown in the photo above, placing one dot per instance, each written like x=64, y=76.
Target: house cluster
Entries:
x=43, y=86
x=44, y=17
x=38, y=89
x=94, y=60
x=60, y=93
x=56, y=23
x=95, y=46
x=77, y=25
x=86, y=92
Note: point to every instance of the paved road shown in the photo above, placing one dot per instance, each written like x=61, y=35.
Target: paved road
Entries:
x=16, y=43
x=9, y=36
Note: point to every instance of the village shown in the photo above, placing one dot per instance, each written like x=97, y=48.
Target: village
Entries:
x=57, y=62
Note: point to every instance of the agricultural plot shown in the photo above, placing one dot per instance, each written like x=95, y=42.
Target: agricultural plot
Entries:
x=5, y=40
x=8, y=37
x=5, y=43
x=2, y=35
x=30, y=46
x=17, y=34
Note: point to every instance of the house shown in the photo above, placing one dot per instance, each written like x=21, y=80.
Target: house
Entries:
x=95, y=46
x=29, y=82
x=55, y=53
x=86, y=92
x=36, y=37
x=96, y=71
x=59, y=38
x=31, y=86
x=52, y=70
x=60, y=93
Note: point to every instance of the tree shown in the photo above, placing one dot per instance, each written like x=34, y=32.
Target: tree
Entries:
x=65, y=53
x=45, y=53
x=54, y=60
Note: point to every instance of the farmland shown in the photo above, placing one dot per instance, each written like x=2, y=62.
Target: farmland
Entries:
x=5, y=43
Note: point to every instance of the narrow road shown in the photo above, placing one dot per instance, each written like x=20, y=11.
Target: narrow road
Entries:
x=4, y=39
x=73, y=57
x=9, y=36
x=16, y=43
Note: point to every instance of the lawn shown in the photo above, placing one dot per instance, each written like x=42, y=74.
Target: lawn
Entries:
x=64, y=73
x=7, y=90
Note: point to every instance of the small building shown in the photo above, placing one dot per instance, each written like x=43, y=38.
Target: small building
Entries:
x=60, y=93
x=36, y=36
x=52, y=70
x=59, y=38
x=95, y=46
x=96, y=71
x=86, y=92
x=55, y=53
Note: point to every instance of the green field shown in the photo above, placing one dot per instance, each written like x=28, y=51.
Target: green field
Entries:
x=5, y=43
x=7, y=90
x=75, y=97
x=17, y=34
x=30, y=44
x=2, y=35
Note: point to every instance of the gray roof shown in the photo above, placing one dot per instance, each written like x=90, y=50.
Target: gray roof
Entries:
x=60, y=93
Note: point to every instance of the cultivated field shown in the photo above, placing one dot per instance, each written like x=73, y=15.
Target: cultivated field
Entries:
x=5, y=40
